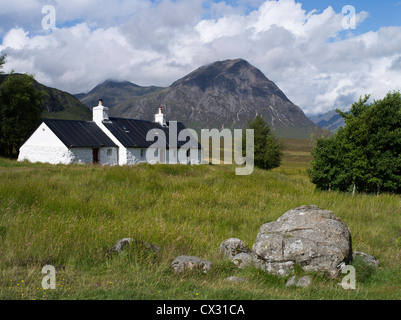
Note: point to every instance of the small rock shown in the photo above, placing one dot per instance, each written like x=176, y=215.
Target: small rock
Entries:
x=236, y=279
x=243, y=260
x=367, y=259
x=233, y=246
x=121, y=244
x=291, y=281
x=150, y=247
x=184, y=263
x=302, y=282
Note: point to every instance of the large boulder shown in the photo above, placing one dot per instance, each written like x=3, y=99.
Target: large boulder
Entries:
x=314, y=239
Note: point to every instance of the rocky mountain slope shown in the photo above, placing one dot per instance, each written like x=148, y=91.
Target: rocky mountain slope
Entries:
x=224, y=94
x=113, y=93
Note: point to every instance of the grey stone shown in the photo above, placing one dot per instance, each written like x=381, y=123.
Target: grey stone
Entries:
x=233, y=246
x=121, y=244
x=312, y=238
x=291, y=281
x=303, y=282
x=185, y=263
x=150, y=247
x=236, y=279
x=367, y=259
x=243, y=260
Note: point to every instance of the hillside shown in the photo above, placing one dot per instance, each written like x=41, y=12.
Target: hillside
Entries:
x=113, y=93
x=224, y=94
x=60, y=105
x=330, y=121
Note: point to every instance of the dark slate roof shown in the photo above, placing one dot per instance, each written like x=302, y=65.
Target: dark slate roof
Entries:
x=132, y=132
x=75, y=133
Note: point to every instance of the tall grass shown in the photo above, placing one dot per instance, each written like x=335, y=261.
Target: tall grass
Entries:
x=70, y=216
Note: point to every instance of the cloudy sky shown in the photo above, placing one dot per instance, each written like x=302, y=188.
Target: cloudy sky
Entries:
x=319, y=53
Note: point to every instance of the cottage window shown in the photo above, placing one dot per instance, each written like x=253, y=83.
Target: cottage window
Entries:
x=109, y=152
x=142, y=153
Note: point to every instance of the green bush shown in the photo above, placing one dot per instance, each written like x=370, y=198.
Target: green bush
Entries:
x=364, y=155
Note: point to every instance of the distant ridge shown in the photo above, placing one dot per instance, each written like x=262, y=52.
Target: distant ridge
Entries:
x=330, y=121
x=113, y=93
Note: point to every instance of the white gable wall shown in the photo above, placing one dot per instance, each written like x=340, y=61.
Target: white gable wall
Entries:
x=44, y=136
x=45, y=146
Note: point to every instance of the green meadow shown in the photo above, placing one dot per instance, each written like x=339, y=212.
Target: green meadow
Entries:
x=71, y=216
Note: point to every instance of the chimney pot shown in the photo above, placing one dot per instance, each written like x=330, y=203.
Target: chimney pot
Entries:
x=160, y=118
x=100, y=113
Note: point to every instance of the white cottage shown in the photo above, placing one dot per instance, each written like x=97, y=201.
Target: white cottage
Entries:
x=110, y=141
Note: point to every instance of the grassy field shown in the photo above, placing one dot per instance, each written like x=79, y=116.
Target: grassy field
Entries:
x=71, y=216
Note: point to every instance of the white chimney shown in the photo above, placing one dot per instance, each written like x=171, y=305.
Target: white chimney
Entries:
x=100, y=113
x=160, y=117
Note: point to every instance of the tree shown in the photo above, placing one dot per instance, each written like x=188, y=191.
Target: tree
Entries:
x=267, y=150
x=364, y=155
x=330, y=168
x=20, y=110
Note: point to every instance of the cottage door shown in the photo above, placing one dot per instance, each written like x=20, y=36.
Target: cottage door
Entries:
x=95, y=152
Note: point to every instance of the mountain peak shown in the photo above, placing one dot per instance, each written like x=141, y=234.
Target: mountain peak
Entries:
x=225, y=64
x=218, y=73
x=236, y=76
x=223, y=94
x=111, y=83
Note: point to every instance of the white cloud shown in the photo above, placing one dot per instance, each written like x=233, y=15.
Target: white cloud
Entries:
x=16, y=39
x=317, y=64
